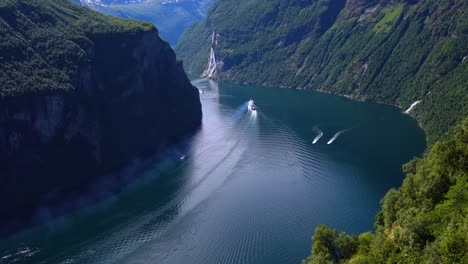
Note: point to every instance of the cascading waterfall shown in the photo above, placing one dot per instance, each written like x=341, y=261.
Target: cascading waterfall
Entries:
x=211, y=71
x=212, y=64
x=408, y=111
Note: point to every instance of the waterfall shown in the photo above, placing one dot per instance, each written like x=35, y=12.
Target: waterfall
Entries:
x=212, y=71
x=412, y=106
x=212, y=64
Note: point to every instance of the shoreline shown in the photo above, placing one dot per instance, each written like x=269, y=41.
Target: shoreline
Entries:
x=349, y=97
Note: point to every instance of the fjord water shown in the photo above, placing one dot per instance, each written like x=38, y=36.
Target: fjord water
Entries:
x=249, y=187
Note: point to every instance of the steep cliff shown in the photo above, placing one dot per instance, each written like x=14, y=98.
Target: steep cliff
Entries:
x=82, y=94
x=388, y=51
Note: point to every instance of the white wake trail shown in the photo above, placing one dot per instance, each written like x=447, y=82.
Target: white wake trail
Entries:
x=319, y=135
x=337, y=135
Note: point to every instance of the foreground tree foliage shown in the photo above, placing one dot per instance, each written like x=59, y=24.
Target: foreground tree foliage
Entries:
x=424, y=221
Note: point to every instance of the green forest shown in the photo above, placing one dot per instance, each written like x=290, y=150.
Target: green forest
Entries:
x=386, y=51
x=424, y=221
x=391, y=52
x=44, y=43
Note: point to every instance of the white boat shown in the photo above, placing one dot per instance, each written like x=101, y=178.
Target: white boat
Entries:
x=252, y=106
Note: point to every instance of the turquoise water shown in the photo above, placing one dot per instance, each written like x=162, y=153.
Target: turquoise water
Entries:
x=249, y=187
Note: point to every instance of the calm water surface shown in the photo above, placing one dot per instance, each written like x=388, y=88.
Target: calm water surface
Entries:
x=250, y=187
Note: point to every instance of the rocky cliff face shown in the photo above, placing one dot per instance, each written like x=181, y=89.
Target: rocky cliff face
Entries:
x=127, y=97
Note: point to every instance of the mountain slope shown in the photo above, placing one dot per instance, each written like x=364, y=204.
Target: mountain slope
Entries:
x=393, y=52
x=82, y=95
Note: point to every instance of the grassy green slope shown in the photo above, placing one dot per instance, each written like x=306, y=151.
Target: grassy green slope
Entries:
x=43, y=43
x=424, y=221
x=393, y=52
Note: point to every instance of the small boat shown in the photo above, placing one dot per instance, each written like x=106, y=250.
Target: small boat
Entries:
x=252, y=106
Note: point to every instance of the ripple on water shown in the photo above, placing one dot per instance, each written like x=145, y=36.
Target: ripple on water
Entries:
x=251, y=189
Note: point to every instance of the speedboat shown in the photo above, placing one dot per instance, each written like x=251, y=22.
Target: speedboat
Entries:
x=252, y=106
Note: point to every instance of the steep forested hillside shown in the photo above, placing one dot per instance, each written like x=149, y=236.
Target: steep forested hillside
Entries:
x=424, y=221
x=81, y=95
x=388, y=51
x=44, y=43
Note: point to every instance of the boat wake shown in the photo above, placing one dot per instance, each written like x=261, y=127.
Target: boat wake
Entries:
x=319, y=135
x=238, y=114
x=337, y=135
x=253, y=115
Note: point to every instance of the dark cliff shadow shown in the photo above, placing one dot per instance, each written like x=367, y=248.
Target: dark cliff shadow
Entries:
x=68, y=198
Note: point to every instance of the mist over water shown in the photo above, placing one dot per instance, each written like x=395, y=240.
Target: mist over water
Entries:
x=249, y=187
